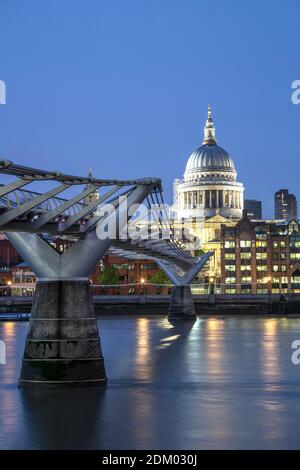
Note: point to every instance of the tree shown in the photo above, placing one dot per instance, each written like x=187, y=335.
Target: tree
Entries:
x=159, y=278
x=199, y=252
x=109, y=276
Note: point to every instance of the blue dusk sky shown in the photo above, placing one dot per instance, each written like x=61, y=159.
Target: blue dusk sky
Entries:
x=122, y=86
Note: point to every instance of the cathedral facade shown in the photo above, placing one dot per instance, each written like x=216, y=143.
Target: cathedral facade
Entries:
x=208, y=197
x=209, y=185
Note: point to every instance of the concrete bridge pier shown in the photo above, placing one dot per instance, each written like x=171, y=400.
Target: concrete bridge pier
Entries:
x=182, y=304
x=63, y=345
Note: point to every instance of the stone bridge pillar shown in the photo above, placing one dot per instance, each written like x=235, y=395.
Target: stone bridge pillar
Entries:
x=63, y=345
x=182, y=305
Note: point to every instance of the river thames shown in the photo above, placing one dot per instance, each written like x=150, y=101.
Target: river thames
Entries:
x=219, y=383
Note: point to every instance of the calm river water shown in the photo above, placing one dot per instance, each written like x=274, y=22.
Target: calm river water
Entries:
x=220, y=383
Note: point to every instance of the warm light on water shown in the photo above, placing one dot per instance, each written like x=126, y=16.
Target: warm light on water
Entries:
x=216, y=383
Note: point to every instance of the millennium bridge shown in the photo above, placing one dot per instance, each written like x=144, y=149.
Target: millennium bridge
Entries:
x=63, y=345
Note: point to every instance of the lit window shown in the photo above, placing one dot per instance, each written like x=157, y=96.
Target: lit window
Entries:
x=245, y=255
x=230, y=267
x=229, y=280
x=229, y=255
x=245, y=267
x=260, y=243
x=245, y=243
x=229, y=244
x=230, y=290
x=262, y=267
x=261, y=255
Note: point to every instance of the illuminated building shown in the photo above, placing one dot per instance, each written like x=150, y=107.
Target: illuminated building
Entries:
x=260, y=257
x=208, y=196
x=209, y=185
x=285, y=205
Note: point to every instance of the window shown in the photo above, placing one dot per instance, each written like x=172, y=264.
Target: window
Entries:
x=245, y=243
x=275, y=244
x=230, y=244
x=293, y=227
x=275, y=268
x=245, y=255
x=230, y=267
x=229, y=280
x=262, y=267
x=282, y=255
x=295, y=255
x=260, y=243
x=261, y=255
x=295, y=244
x=283, y=268
x=246, y=280
x=229, y=255
x=245, y=267
x=282, y=244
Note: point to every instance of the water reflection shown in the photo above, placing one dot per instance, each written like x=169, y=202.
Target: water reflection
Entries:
x=270, y=366
x=62, y=420
x=215, y=383
x=144, y=370
x=9, y=329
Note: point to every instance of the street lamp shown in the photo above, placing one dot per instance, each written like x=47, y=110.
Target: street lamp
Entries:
x=142, y=282
x=211, y=285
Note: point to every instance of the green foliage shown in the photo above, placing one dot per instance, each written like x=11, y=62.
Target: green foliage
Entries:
x=159, y=278
x=109, y=276
x=199, y=252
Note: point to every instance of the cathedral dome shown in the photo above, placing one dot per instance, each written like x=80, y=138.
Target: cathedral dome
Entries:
x=210, y=157
x=209, y=186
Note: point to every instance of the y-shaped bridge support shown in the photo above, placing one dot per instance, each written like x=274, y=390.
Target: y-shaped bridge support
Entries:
x=182, y=305
x=63, y=345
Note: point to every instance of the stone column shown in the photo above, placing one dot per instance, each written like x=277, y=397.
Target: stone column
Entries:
x=210, y=198
x=217, y=198
x=62, y=347
x=182, y=304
